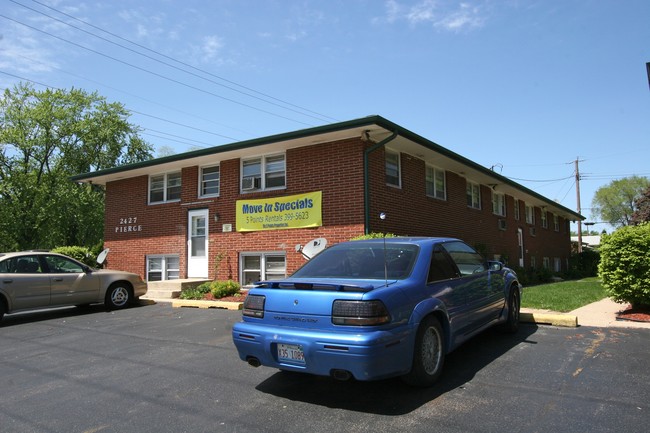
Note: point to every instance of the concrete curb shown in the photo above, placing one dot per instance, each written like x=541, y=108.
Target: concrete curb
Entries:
x=190, y=303
x=555, y=319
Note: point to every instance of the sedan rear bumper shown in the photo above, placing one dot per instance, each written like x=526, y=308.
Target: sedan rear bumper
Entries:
x=367, y=355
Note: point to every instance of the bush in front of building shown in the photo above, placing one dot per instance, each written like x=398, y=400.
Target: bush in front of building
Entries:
x=625, y=265
x=533, y=276
x=218, y=289
x=583, y=265
x=82, y=254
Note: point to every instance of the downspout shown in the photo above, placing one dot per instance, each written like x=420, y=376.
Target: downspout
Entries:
x=366, y=181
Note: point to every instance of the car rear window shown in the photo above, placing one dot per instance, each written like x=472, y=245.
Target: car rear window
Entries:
x=359, y=260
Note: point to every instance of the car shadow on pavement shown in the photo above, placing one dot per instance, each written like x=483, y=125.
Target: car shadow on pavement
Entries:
x=392, y=396
x=41, y=315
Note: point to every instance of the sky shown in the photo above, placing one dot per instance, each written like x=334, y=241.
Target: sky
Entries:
x=525, y=87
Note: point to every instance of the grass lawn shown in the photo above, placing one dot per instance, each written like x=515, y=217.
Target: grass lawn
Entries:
x=564, y=296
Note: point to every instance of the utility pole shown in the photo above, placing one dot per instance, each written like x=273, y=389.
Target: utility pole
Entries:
x=579, y=209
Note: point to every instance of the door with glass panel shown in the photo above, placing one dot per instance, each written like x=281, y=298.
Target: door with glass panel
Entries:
x=197, y=244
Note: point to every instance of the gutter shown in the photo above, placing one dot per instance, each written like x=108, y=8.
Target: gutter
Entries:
x=366, y=180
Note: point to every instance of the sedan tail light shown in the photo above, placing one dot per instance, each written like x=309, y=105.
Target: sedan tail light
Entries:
x=254, y=306
x=359, y=313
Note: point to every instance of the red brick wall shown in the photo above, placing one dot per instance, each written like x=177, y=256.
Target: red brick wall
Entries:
x=411, y=212
x=336, y=169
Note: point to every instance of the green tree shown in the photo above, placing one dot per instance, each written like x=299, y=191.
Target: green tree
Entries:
x=615, y=202
x=46, y=137
x=642, y=208
x=625, y=264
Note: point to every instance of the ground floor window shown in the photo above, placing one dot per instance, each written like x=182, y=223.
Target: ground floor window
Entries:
x=161, y=268
x=557, y=264
x=262, y=266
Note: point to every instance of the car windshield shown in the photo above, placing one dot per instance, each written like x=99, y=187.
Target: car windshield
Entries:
x=361, y=261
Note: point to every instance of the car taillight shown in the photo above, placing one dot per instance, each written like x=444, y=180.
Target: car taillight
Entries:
x=254, y=306
x=359, y=313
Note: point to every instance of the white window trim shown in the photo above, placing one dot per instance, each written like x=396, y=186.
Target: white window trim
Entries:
x=436, y=170
x=544, y=218
x=201, y=180
x=498, y=206
x=166, y=180
x=517, y=210
x=530, y=216
x=262, y=186
x=262, y=255
x=399, y=168
x=478, y=198
x=164, y=269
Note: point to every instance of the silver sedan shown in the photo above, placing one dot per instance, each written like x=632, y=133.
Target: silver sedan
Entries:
x=35, y=279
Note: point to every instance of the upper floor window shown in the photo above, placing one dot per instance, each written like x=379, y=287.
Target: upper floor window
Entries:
x=556, y=223
x=517, y=215
x=544, y=219
x=393, y=176
x=210, y=181
x=530, y=214
x=165, y=187
x=498, y=204
x=473, y=195
x=435, y=182
x=263, y=172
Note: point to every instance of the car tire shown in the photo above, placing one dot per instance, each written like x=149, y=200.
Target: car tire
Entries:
x=428, y=354
x=118, y=295
x=511, y=324
x=3, y=308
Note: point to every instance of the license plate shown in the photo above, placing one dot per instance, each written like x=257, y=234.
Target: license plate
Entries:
x=290, y=353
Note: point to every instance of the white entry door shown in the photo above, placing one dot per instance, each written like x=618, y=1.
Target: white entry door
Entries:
x=197, y=244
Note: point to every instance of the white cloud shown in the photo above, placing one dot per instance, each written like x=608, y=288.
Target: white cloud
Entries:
x=211, y=46
x=449, y=15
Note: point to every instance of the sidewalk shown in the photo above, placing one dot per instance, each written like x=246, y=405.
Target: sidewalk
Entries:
x=599, y=314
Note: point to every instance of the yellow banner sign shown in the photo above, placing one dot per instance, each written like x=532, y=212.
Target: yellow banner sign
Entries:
x=290, y=212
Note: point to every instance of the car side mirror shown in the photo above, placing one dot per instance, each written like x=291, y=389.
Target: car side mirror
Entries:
x=494, y=265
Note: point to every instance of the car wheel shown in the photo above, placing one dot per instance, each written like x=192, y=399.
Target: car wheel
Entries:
x=118, y=296
x=428, y=355
x=514, y=306
x=3, y=308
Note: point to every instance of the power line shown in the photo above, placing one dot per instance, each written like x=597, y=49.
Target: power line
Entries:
x=155, y=73
x=323, y=116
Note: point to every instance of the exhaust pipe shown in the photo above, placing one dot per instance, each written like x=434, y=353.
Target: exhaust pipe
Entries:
x=253, y=362
x=341, y=375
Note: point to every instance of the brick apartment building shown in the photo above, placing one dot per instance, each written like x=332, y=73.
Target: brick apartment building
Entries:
x=238, y=211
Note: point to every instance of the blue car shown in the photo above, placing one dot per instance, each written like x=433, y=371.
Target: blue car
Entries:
x=379, y=308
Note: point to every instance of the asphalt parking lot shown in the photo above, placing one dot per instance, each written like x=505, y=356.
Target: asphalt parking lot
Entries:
x=155, y=368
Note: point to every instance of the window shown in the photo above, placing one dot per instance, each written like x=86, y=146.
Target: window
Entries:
x=498, y=204
x=20, y=265
x=530, y=214
x=517, y=216
x=262, y=266
x=264, y=172
x=435, y=183
x=557, y=264
x=556, y=223
x=393, y=169
x=62, y=265
x=161, y=268
x=533, y=262
x=165, y=187
x=210, y=181
x=546, y=263
x=473, y=195
x=544, y=219
x=467, y=260
x=441, y=267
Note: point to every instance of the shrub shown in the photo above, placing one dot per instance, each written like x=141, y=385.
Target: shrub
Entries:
x=83, y=254
x=625, y=264
x=373, y=235
x=197, y=292
x=220, y=289
x=584, y=264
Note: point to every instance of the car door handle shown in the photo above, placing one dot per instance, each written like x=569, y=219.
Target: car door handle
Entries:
x=8, y=281
x=58, y=280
